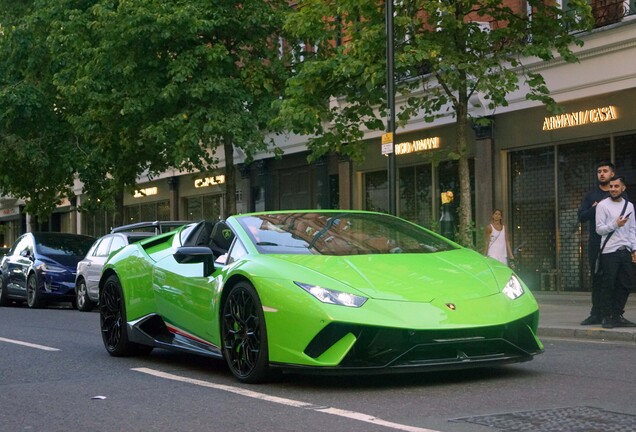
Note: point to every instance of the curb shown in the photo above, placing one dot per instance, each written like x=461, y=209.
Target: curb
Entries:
x=593, y=333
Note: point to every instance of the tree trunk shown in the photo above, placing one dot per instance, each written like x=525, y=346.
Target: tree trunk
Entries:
x=464, y=234
x=230, y=178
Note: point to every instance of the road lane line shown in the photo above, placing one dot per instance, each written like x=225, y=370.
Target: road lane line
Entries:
x=28, y=344
x=284, y=401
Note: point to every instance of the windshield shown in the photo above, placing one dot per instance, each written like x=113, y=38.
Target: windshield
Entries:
x=63, y=244
x=332, y=233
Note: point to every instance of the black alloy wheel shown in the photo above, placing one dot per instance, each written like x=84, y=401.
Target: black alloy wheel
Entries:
x=112, y=321
x=34, y=296
x=82, y=300
x=244, y=334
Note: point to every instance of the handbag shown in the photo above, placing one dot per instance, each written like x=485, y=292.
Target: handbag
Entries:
x=598, y=270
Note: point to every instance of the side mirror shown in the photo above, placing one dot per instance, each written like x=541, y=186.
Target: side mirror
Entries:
x=196, y=254
x=26, y=254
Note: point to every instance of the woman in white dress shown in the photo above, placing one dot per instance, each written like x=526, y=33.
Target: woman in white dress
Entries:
x=497, y=243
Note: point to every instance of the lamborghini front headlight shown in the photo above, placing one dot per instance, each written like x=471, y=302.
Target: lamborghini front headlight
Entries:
x=330, y=296
x=513, y=288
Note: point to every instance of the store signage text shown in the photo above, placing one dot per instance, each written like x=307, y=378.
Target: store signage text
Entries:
x=209, y=181
x=145, y=192
x=579, y=118
x=417, y=145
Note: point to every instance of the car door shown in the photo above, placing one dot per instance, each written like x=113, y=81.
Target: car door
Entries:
x=184, y=296
x=18, y=264
x=95, y=265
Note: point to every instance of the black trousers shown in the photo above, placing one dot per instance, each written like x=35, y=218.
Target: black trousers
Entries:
x=597, y=281
x=617, y=282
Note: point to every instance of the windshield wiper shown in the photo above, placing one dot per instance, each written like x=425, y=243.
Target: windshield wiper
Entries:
x=267, y=244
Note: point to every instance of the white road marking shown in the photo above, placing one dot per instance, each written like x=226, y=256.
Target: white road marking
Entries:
x=284, y=401
x=28, y=344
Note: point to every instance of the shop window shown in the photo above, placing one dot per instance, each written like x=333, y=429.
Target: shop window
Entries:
x=294, y=188
x=448, y=181
x=625, y=151
x=576, y=175
x=145, y=212
x=206, y=207
x=376, y=190
x=416, y=194
x=533, y=209
x=97, y=223
x=163, y=210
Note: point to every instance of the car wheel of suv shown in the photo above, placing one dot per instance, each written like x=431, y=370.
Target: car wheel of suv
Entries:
x=244, y=334
x=112, y=320
x=82, y=301
x=4, y=295
x=34, y=296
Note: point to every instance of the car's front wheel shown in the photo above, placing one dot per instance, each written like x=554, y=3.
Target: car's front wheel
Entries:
x=82, y=300
x=244, y=334
x=112, y=320
x=34, y=296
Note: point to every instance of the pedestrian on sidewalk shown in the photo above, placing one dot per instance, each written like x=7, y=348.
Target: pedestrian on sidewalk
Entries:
x=615, y=223
x=587, y=211
x=497, y=243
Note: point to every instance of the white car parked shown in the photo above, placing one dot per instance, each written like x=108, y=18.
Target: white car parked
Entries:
x=89, y=269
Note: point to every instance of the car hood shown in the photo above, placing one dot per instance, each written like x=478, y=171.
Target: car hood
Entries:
x=460, y=273
x=67, y=261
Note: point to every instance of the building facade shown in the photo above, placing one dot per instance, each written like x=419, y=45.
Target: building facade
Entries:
x=533, y=165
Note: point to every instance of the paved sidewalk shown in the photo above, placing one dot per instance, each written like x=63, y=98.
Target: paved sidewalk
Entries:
x=560, y=315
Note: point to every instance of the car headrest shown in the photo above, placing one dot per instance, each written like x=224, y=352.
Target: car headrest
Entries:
x=222, y=235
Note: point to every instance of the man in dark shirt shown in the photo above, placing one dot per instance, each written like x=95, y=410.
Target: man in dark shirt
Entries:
x=587, y=213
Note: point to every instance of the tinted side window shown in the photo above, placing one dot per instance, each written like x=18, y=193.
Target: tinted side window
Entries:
x=103, y=248
x=117, y=244
x=23, y=244
x=238, y=251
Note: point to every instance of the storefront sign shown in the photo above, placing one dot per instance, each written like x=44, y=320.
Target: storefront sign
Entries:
x=417, y=145
x=10, y=211
x=209, y=181
x=145, y=192
x=579, y=118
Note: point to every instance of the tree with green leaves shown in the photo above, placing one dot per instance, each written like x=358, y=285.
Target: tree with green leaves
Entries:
x=153, y=85
x=445, y=53
x=36, y=142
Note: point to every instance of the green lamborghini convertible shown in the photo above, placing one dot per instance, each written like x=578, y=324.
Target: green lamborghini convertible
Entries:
x=320, y=291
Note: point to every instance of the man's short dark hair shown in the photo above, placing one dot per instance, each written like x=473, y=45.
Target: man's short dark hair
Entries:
x=607, y=164
x=619, y=177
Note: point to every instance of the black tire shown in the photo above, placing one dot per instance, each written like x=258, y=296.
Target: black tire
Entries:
x=4, y=295
x=82, y=301
x=112, y=321
x=245, y=335
x=34, y=296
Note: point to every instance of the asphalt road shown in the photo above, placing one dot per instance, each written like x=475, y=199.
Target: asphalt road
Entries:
x=56, y=376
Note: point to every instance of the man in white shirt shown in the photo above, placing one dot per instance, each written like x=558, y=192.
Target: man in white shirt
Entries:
x=618, y=255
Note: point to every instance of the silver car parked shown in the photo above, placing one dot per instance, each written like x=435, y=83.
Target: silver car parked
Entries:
x=89, y=269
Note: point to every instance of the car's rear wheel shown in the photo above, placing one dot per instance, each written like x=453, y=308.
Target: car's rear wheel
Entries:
x=4, y=295
x=34, y=296
x=244, y=334
x=112, y=320
x=82, y=300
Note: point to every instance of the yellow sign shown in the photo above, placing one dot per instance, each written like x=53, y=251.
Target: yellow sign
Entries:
x=145, y=192
x=387, y=143
x=417, y=145
x=209, y=181
x=580, y=118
